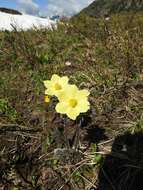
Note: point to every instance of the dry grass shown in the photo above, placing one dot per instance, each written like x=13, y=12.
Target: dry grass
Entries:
x=107, y=58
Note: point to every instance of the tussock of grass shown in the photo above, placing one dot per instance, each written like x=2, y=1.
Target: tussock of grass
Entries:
x=106, y=58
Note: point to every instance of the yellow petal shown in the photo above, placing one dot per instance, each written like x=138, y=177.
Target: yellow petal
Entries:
x=47, y=83
x=84, y=106
x=83, y=93
x=72, y=90
x=49, y=91
x=62, y=96
x=55, y=78
x=72, y=113
x=64, y=80
x=68, y=92
x=61, y=108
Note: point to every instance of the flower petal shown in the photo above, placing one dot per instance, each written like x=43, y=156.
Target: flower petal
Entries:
x=72, y=113
x=64, y=80
x=61, y=107
x=55, y=78
x=83, y=93
x=84, y=106
x=49, y=91
x=68, y=92
x=47, y=83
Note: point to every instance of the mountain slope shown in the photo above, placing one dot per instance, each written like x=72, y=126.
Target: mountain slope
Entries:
x=107, y=7
x=10, y=11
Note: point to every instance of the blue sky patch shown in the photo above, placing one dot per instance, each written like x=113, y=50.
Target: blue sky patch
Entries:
x=47, y=7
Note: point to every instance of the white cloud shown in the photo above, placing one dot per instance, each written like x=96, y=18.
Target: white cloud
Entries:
x=28, y=7
x=65, y=7
x=53, y=7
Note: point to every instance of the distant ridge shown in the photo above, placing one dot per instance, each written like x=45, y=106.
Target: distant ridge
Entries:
x=10, y=11
x=106, y=7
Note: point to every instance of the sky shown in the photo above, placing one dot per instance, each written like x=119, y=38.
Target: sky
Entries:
x=47, y=7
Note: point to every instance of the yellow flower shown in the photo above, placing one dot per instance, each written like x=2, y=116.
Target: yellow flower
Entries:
x=55, y=85
x=47, y=99
x=73, y=101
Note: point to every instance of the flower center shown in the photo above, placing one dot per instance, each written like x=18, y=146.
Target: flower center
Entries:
x=73, y=103
x=58, y=86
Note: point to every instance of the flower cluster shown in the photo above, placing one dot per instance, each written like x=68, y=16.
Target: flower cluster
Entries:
x=72, y=101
